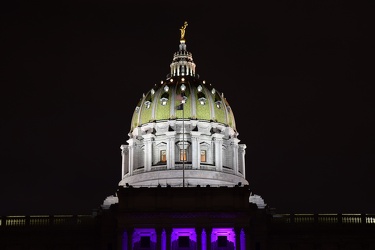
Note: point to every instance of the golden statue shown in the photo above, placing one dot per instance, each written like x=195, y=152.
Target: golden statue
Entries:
x=183, y=28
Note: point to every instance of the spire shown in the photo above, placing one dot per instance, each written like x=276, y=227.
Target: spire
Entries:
x=182, y=64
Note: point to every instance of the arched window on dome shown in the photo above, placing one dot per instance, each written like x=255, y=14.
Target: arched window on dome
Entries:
x=202, y=98
x=147, y=104
x=164, y=99
x=218, y=104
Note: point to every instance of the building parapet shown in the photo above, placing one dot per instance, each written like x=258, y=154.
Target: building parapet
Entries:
x=46, y=220
x=324, y=218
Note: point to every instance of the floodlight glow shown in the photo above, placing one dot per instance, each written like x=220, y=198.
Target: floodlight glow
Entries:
x=183, y=87
x=176, y=232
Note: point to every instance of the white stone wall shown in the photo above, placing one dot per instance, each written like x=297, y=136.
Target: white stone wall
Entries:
x=222, y=149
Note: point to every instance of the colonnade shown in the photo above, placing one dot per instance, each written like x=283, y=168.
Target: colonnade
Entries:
x=167, y=238
x=237, y=153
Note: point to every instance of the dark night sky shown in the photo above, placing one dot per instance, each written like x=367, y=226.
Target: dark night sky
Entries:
x=299, y=78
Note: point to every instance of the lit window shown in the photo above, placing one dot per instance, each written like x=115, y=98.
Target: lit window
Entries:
x=183, y=155
x=203, y=156
x=202, y=100
x=183, y=87
x=164, y=101
x=218, y=104
x=147, y=104
x=163, y=156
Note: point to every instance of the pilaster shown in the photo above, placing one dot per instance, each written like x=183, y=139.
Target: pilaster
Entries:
x=241, y=155
x=218, y=141
x=195, y=149
x=235, y=154
x=125, y=160
x=147, y=140
x=171, y=139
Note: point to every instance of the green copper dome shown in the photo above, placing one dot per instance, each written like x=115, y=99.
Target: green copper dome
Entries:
x=201, y=102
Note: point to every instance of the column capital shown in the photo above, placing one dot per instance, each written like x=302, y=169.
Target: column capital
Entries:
x=158, y=230
x=170, y=133
x=198, y=230
x=195, y=133
x=124, y=149
x=168, y=230
x=132, y=142
x=148, y=137
x=218, y=136
x=237, y=230
x=235, y=141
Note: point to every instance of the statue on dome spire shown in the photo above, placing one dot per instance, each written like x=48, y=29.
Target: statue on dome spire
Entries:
x=183, y=28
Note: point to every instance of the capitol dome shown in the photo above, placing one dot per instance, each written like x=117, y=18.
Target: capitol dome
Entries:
x=183, y=133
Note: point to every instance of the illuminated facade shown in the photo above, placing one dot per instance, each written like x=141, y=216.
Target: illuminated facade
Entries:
x=183, y=136
x=183, y=187
x=183, y=133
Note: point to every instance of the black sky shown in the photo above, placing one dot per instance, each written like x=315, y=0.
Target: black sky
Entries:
x=298, y=76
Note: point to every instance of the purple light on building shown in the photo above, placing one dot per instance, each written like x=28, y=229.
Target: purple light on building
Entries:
x=228, y=232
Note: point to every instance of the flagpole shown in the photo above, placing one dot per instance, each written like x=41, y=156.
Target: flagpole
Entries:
x=183, y=144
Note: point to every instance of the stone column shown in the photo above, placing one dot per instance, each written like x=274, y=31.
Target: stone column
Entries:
x=129, y=242
x=195, y=149
x=208, y=237
x=168, y=234
x=147, y=140
x=248, y=241
x=158, y=238
x=234, y=144
x=131, y=155
x=125, y=160
x=241, y=159
x=237, y=231
x=121, y=239
x=171, y=149
x=198, y=231
x=218, y=140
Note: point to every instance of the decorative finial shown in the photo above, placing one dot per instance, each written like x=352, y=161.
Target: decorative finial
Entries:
x=183, y=28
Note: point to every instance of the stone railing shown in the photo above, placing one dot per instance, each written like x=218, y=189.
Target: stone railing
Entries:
x=324, y=218
x=46, y=220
